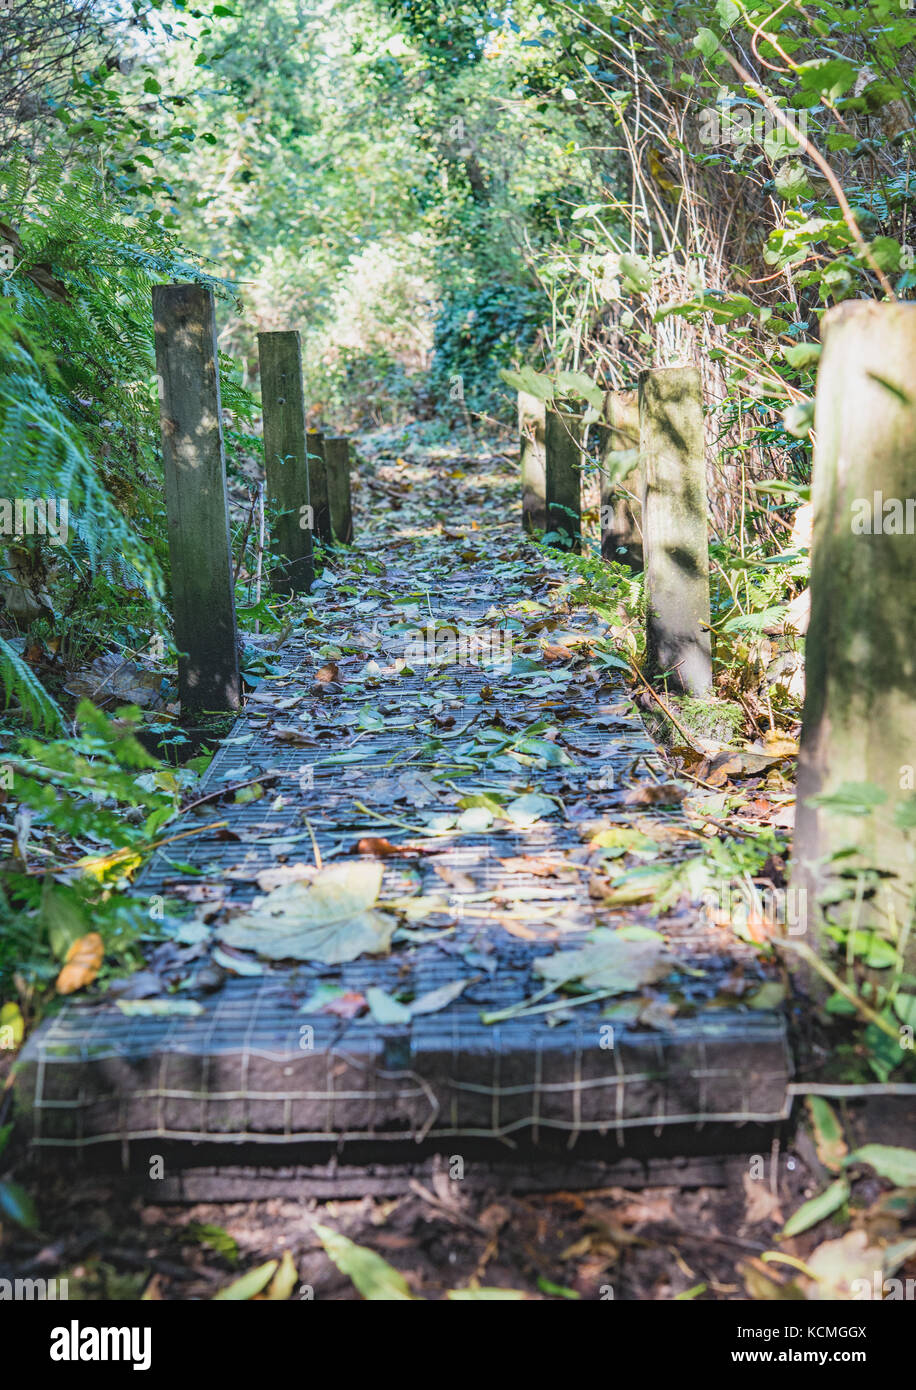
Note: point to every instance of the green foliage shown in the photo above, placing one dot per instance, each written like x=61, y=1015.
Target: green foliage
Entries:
x=21, y=683
x=102, y=786
x=81, y=785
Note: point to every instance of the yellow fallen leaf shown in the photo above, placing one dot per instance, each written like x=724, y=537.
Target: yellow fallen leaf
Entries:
x=284, y=1280
x=12, y=1026
x=779, y=745
x=82, y=963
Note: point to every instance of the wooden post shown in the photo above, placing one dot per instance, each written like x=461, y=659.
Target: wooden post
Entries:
x=531, y=429
x=285, y=462
x=621, y=510
x=859, y=723
x=674, y=527
x=337, y=463
x=318, y=487
x=197, y=509
x=563, y=475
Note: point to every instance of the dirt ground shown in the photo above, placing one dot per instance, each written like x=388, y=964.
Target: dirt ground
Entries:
x=655, y=1243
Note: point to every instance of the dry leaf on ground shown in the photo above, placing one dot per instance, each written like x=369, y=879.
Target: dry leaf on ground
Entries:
x=81, y=964
x=330, y=920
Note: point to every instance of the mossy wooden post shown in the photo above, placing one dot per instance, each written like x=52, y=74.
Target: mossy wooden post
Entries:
x=531, y=429
x=621, y=505
x=674, y=528
x=318, y=487
x=285, y=462
x=563, y=475
x=859, y=722
x=197, y=510
x=337, y=466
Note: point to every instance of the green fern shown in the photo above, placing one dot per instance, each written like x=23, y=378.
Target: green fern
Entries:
x=21, y=683
x=79, y=416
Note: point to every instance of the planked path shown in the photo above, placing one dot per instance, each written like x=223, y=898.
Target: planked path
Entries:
x=349, y=749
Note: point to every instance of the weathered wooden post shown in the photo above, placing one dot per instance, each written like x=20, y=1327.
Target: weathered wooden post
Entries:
x=285, y=461
x=337, y=464
x=318, y=487
x=531, y=429
x=621, y=507
x=563, y=475
x=197, y=509
x=859, y=723
x=674, y=527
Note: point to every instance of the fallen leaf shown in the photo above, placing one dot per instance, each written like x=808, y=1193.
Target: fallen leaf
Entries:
x=818, y=1208
x=268, y=879
x=610, y=962
x=525, y=810
x=837, y=1264
x=734, y=762
x=284, y=1280
x=898, y=1165
x=463, y=883
x=241, y=1290
x=384, y=849
x=655, y=794
x=385, y=1009
x=349, y=1004
x=374, y=1278
x=657, y=1013
x=237, y=964
x=327, y=673
x=291, y=733
x=82, y=963
x=622, y=837
x=112, y=678
x=828, y=1134
x=329, y=920
x=760, y=1203
x=436, y=999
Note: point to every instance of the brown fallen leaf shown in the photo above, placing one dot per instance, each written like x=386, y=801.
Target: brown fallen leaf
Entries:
x=349, y=1005
x=655, y=794
x=81, y=964
x=519, y=929
x=552, y=653
x=760, y=1203
x=539, y=865
x=738, y=762
x=384, y=849
x=327, y=673
x=779, y=745
x=289, y=733
x=657, y=1013
x=458, y=880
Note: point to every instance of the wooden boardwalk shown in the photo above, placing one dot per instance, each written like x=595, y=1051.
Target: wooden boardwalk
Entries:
x=344, y=748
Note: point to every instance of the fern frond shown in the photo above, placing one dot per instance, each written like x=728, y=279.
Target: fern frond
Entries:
x=21, y=683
